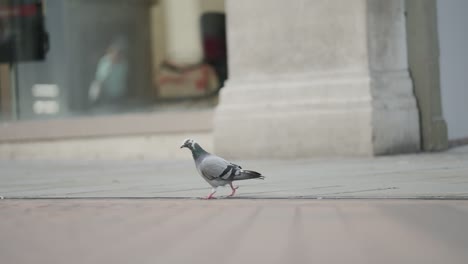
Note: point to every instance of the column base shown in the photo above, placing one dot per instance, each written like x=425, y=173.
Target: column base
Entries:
x=300, y=117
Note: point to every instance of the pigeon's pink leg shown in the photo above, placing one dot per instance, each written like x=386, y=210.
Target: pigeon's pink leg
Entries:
x=233, y=189
x=213, y=191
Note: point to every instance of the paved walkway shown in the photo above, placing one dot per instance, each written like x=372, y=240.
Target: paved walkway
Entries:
x=233, y=231
x=404, y=176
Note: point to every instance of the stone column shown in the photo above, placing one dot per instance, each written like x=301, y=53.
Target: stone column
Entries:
x=184, y=44
x=316, y=77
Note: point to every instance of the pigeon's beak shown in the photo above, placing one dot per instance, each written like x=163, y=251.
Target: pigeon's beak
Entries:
x=183, y=146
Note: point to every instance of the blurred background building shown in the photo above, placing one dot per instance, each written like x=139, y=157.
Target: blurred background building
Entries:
x=248, y=79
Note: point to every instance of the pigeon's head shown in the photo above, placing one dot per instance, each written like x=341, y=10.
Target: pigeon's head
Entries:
x=188, y=143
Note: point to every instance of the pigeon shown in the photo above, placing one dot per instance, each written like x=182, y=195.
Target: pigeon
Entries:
x=216, y=170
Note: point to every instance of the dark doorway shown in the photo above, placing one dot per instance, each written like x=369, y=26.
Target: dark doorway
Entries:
x=213, y=28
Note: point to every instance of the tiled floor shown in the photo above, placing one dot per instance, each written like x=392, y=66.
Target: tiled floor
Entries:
x=419, y=175
x=233, y=231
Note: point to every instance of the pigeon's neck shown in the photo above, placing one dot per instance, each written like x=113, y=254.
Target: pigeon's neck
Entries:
x=198, y=151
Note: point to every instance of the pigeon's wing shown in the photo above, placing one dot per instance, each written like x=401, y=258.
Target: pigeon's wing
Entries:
x=214, y=167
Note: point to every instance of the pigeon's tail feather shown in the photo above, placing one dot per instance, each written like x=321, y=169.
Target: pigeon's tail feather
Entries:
x=248, y=174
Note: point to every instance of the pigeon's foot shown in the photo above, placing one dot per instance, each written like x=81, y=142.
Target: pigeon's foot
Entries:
x=211, y=196
x=233, y=190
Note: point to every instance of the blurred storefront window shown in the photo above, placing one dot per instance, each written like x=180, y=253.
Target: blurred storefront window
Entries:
x=78, y=58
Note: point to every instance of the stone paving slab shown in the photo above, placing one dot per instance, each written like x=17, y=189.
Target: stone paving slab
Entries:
x=233, y=231
x=430, y=175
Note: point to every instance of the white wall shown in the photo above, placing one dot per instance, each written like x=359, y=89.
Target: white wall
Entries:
x=212, y=5
x=453, y=41
x=159, y=32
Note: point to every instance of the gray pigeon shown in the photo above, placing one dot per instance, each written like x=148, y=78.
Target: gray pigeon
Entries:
x=216, y=170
